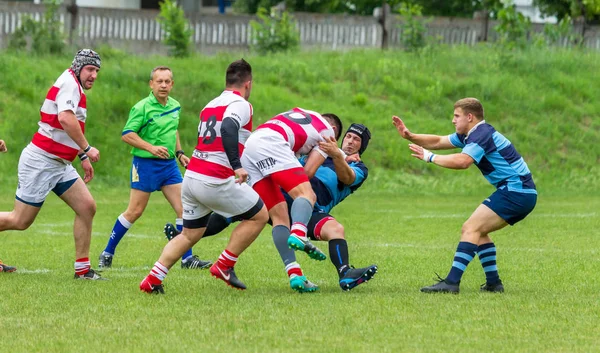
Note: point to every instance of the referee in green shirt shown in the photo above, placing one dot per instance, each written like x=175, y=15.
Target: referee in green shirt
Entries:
x=152, y=131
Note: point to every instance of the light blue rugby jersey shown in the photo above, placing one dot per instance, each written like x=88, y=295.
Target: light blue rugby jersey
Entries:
x=329, y=190
x=496, y=158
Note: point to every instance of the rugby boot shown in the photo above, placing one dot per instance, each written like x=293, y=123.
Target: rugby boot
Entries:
x=303, y=244
x=492, y=287
x=355, y=276
x=5, y=268
x=302, y=285
x=442, y=286
x=228, y=276
x=194, y=262
x=170, y=231
x=105, y=261
x=146, y=286
x=91, y=275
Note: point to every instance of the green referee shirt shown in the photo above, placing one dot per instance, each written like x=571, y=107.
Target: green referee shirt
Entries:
x=155, y=124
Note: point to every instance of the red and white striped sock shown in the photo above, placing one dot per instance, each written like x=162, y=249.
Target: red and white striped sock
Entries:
x=293, y=269
x=82, y=266
x=227, y=259
x=157, y=274
x=299, y=229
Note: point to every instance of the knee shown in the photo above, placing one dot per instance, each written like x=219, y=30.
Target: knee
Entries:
x=262, y=216
x=333, y=231
x=469, y=230
x=90, y=208
x=22, y=224
x=310, y=196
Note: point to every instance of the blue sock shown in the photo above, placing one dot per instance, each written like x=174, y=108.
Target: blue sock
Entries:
x=179, y=226
x=464, y=254
x=120, y=228
x=487, y=256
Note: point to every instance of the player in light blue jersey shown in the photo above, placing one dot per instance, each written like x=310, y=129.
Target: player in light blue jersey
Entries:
x=340, y=175
x=501, y=164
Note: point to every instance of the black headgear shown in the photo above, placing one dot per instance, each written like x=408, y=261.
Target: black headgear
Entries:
x=363, y=132
x=85, y=57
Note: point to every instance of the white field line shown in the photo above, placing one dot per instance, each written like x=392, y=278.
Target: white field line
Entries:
x=112, y=270
x=466, y=214
x=504, y=248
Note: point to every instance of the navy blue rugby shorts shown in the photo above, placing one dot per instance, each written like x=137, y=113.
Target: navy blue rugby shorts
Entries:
x=511, y=206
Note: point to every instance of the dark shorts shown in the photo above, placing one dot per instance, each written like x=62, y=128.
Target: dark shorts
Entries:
x=150, y=174
x=316, y=221
x=511, y=206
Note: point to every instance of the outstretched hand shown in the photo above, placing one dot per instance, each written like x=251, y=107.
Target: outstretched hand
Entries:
x=420, y=152
x=2, y=146
x=402, y=129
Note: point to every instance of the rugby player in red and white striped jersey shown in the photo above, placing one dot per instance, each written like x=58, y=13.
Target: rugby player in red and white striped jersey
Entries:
x=45, y=164
x=215, y=181
x=270, y=159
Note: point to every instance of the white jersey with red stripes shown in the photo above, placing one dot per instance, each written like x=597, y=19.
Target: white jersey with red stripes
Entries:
x=51, y=138
x=209, y=158
x=302, y=129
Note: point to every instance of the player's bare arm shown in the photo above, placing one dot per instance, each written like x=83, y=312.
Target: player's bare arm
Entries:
x=314, y=160
x=450, y=161
x=136, y=141
x=344, y=173
x=432, y=142
x=70, y=124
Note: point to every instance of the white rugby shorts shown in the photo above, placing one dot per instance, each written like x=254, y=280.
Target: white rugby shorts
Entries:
x=267, y=152
x=39, y=174
x=223, y=196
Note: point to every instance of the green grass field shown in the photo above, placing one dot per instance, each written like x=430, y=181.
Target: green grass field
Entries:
x=548, y=264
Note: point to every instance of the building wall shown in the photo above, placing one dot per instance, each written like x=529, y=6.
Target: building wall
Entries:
x=113, y=4
x=527, y=8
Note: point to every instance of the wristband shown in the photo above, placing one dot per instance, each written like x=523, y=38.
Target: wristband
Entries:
x=178, y=153
x=431, y=158
x=87, y=149
x=81, y=155
x=84, y=157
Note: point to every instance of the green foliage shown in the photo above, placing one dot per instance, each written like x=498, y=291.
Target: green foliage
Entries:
x=513, y=27
x=274, y=32
x=414, y=29
x=45, y=36
x=173, y=22
x=556, y=34
x=589, y=9
x=539, y=98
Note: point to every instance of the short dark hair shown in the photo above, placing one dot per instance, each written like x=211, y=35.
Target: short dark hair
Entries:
x=160, y=68
x=338, y=124
x=238, y=72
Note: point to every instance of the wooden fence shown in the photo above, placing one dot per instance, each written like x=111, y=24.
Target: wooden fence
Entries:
x=138, y=31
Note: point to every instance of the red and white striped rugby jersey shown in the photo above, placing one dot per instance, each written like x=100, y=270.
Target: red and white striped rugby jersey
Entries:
x=302, y=129
x=209, y=157
x=65, y=94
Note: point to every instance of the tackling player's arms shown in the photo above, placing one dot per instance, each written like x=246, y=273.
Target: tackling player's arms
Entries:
x=431, y=142
x=313, y=161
